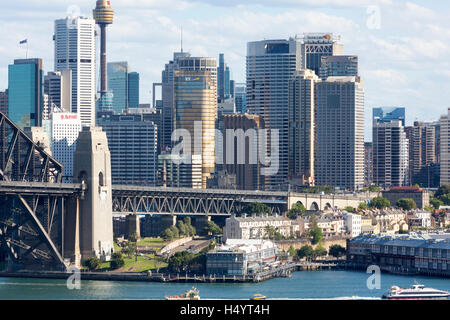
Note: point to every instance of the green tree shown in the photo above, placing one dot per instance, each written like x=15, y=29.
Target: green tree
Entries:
x=292, y=251
x=349, y=209
x=319, y=189
x=182, y=228
x=306, y=251
x=175, y=231
x=117, y=263
x=298, y=210
x=363, y=206
x=92, y=263
x=337, y=251
x=129, y=249
x=443, y=190
x=167, y=235
x=133, y=237
x=320, y=251
x=436, y=203
x=257, y=208
x=445, y=199
x=374, y=189
x=212, y=228
x=316, y=234
x=380, y=203
x=407, y=204
x=181, y=261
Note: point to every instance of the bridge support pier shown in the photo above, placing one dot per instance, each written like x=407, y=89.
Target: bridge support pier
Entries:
x=72, y=232
x=133, y=225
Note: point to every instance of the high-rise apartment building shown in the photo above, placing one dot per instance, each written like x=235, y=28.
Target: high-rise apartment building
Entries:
x=25, y=92
x=118, y=85
x=4, y=102
x=340, y=133
x=445, y=148
x=75, y=49
x=318, y=45
x=133, y=90
x=422, y=153
x=58, y=87
x=368, y=163
x=270, y=66
x=195, y=110
x=180, y=171
x=390, y=154
x=133, y=146
x=241, y=146
x=338, y=66
x=302, y=127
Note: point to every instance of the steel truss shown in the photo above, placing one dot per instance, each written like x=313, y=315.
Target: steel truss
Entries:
x=31, y=225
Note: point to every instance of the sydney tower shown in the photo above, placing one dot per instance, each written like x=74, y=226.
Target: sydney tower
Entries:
x=103, y=16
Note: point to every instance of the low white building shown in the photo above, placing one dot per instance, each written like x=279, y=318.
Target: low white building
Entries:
x=352, y=223
x=419, y=218
x=246, y=228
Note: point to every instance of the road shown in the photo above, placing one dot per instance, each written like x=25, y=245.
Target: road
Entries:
x=194, y=244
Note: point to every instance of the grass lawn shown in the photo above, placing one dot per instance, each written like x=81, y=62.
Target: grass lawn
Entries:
x=152, y=242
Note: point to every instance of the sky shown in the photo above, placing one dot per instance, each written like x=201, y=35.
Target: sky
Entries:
x=403, y=46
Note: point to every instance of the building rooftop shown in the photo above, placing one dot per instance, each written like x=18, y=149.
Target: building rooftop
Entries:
x=247, y=246
x=415, y=240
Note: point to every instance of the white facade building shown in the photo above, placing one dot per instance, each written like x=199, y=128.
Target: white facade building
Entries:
x=63, y=129
x=445, y=149
x=75, y=49
x=352, y=223
x=246, y=228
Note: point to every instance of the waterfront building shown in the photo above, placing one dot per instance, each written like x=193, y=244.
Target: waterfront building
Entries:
x=58, y=87
x=254, y=227
x=390, y=154
x=340, y=133
x=4, y=102
x=416, y=253
x=240, y=97
x=420, y=196
x=25, y=92
x=302, y=127
x=422, y=154
x=338, y=66
x=270, y=66
x=240, y=257
x=75, y=49
x=245, y=162
x=386, y=114
x=368, y=163
x=118, y=85
x=133, y=146
x=63, y=129
x=315, y=46
x=180, y=171
x=195, y=106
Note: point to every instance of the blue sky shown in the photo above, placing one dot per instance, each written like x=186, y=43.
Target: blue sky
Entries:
x=403, y=46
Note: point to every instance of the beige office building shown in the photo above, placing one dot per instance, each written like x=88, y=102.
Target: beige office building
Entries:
x=195, y=102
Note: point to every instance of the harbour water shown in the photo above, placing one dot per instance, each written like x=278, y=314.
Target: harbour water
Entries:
x=343, y=285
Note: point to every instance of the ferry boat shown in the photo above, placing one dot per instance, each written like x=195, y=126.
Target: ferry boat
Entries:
x=416, y=292
x=192, y=294
x=258, y=297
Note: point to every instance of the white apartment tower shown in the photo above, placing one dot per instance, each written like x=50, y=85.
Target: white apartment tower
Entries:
x=75, y=49
x=445, y=148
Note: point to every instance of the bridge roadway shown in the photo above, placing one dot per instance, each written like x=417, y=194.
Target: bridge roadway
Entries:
x=181, y=201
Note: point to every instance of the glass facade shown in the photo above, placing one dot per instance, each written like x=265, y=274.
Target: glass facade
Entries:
x=25, y=92
x=386, y=114
x=133, y=90
x=118, y=85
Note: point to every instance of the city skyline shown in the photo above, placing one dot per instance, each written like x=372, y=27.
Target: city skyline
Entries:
x=409, y=53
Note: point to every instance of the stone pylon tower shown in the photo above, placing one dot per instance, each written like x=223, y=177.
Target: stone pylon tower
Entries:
x=92, y=167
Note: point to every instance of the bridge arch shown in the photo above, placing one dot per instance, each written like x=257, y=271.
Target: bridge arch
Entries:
x=314, y=206
x=298, y=202
x=328, y=206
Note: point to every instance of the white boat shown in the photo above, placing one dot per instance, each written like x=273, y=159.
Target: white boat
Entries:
x=192, y=294
x=416, y=292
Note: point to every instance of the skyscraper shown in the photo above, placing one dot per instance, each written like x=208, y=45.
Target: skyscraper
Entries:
x=240, y=97
x=340, y=133
x=133, y=90
x=445, y=148
x=317, y=45
x=368, y=163
x=390, y=154
x=4, y=102
x=195, y=103
x=337, y=66
x=270, y=66
x=386, y=114
x=302, y=126
x=25, y=95
x=58, y=87
x=75, y=49
x=118, y=85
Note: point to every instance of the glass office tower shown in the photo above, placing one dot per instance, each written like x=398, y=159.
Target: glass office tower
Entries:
x=25, y=82
x=133, y=90
x=118, y=85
